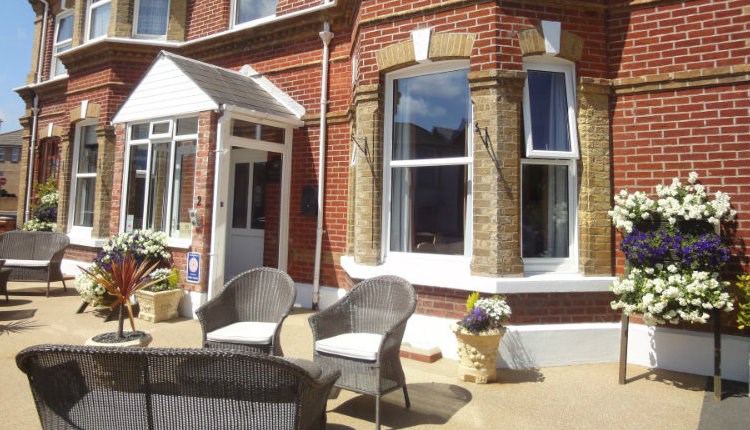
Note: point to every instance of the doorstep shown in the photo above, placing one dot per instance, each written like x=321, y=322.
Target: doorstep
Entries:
x=425, y=355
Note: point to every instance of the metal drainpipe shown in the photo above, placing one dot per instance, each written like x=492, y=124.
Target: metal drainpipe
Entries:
x=326, y=35
x=35, y=112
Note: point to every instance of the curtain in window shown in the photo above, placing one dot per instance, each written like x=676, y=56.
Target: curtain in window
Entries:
x=99, y=20
x=152, y=17
x=249, y=10
x=549, y=110
x=545, y=211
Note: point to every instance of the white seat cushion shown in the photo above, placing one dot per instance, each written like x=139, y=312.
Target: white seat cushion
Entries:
x=246, y=332
x=361, y=346
x=26, y=263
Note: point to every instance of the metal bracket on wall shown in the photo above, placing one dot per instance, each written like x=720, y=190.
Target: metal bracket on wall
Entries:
x=485, y=136
x=365, y=148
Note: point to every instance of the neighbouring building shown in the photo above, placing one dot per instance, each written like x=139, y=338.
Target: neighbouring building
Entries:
x=10, y=169
x=463, y=145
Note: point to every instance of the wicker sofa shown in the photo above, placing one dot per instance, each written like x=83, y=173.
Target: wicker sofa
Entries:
x=89, y=387
x=34, y=256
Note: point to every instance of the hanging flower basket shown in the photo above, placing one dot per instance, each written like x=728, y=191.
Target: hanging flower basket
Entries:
x=674, y=253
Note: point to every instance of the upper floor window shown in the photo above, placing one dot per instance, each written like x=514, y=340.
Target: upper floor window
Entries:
x=549, y=109
x=251, y=10
x=548, y=170
x=97, y=23
x=428, y=160
x=151, y=18
x=160, y=176
x=63, y=41
x=2, y=154
x=83, y=185
x=15, y=154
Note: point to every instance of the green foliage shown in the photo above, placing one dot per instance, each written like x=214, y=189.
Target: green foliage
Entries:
x=743, y=301
x=471, y=301
x=45, y=188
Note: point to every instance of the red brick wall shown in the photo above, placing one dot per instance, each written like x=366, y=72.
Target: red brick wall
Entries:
x=658, y=133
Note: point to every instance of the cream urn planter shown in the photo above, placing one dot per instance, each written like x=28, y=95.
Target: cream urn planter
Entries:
x=159, y=306
x=477, y=354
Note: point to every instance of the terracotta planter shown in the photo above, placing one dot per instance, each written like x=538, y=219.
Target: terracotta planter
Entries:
x=159, y=306
x=477, y=354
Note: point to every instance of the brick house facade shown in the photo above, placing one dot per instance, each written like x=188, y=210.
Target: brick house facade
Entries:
x=656, y=89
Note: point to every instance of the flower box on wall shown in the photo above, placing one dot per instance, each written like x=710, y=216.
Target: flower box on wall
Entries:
x=160, y=306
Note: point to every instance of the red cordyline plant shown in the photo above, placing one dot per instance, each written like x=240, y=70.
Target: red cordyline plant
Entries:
x=125, y=276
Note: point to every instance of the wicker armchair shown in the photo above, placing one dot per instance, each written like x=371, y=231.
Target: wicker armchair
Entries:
x=248, y=313
x=34, y=256
x=361, y=334
x=93, y=387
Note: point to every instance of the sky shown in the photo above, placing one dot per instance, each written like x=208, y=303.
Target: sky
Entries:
x=16, y=40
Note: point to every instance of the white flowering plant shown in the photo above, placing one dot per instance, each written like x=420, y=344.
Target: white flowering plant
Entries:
x=484, y=313
x=167, y=278
x=143, y=245
x=44, y=215
x=674, y=253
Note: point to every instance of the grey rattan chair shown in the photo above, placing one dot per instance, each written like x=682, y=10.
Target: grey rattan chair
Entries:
x=248, y=313
x=94, y=387
x=361, y=334
x=34, y=256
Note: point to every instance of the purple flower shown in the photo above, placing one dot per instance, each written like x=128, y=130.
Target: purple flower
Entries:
x=476, y=321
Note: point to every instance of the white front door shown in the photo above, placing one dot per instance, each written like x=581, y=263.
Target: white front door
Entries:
x=246, y=211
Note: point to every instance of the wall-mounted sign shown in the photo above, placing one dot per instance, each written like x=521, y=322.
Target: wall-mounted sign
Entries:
x=193, y=267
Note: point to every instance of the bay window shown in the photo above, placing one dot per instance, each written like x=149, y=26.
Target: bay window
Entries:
x=428, y=161
x=251, y=10
x=160, y=176
x=63, y=41
x=549, y=169
x=151, y=18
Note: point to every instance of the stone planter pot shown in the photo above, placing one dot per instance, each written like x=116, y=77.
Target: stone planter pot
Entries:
x=477, y=354
x=159, y=306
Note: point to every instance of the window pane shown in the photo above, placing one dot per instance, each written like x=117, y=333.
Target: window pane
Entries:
x=182, y=189
x=187, y=126
x=152, y=17
x=428, y=208
x=88, y=150
x=430, y=116
x=15, y=154
x=65, y=28
x=158, y=187
x=160, y=127
x=99, y=21
x=549, y=111
x=544, y=206
x=251, y=130
x=136, y=186
x=240, y=198
x=249, y=10
x=84, y=206
x=139, y=131
x=60, y=68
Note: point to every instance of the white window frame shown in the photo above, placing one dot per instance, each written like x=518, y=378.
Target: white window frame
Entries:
x=536, y=265
x=90, y=6
x=233, y=18
x=387, y=255
x=57, y=45
x=136, y=13
x=77, y=230
x=551, y=64
x=153, y=139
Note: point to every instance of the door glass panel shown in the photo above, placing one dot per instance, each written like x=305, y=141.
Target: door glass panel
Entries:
x=239, y=202
x=258, y=217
